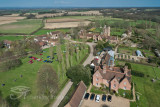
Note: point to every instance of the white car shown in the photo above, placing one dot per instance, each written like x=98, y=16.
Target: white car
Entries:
x=97, y=98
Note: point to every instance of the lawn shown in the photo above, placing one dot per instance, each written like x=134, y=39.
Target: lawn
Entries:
x=26, y=26
x=149, y=91
x=29, y=72
x=44, y=31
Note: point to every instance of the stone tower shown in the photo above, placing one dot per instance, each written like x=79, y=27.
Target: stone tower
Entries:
x=106, y=31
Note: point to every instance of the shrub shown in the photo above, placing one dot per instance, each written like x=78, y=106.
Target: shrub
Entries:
x=78, y=73
x=136, y=73
x=128, y=93
x=14, y=102
x=10, y=64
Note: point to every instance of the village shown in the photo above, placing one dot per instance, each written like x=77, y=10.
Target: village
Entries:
x=63, y=59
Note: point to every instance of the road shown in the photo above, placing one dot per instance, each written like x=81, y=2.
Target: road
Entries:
x=69, y=84
x=62, y=94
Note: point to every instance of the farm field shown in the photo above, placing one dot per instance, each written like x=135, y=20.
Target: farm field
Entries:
x=64, y=24
x=44, y=31
x=76, y=17
x=146, y=89
x=11, y=37
x=9, y=19
x=29, y=72
x=26, y=26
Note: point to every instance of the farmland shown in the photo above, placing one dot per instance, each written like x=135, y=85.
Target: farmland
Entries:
x=26, y=26
x=9, y=19
x=65, y=22
x=29, y=72
x=64, y=25
x=11, y=37
x=44, y=31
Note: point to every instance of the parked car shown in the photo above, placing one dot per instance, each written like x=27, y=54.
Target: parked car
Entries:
x=104, y=98
x=109, y=98
x=97, y=98
x=86, y=96
x=92, y=96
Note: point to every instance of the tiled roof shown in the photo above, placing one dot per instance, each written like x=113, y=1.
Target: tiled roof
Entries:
x=77, y=96
x=7, y=42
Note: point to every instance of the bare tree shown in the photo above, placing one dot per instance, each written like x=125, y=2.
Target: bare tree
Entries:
x=72, y=50
x=59, y=52
x=51, y=51
x=67, y=55
x=47, y=81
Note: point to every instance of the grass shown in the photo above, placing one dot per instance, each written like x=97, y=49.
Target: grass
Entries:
x=44, y=31
x=97, y=90
x=11, y=38
x=26, y=26
x=29, y=72
x=149, y=91
x=75, y=17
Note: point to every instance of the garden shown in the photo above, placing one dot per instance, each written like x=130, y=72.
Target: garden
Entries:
x=147, y=91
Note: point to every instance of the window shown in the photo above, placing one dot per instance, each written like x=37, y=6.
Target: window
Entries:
x=107, y=81
x=97, y=75
x=114, y=86
x=124, y=88
x=97, y=84
x=125, y=83
x=96, y=79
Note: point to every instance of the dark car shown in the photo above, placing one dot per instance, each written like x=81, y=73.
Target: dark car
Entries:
x=86, y=96
x=109, y=98
x=92, y=96
x=104, y=98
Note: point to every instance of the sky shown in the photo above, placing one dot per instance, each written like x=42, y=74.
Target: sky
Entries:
x=79, y=3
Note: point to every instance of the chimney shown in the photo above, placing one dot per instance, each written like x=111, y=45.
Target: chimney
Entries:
x=104, y=69
x=126, y=69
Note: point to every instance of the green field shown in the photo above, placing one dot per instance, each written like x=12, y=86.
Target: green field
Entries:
x=149, y=91
x=44, y=31
x=75, y=17
x=26, y=26
x=11, y=37
x=29, y=72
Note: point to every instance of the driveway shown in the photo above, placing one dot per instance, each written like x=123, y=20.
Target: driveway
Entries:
x=116, y=102
x=90, y=57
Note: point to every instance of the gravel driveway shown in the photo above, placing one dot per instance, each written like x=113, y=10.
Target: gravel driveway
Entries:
x=116, y=102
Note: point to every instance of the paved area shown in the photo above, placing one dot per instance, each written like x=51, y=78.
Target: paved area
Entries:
x=62, y=94
x=116, y=102
x=90, y=57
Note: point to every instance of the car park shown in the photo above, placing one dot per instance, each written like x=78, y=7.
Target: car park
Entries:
x=92, y=96
x=104, y=98
x=86, y=96
x=109, y=98
x=97, y=98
